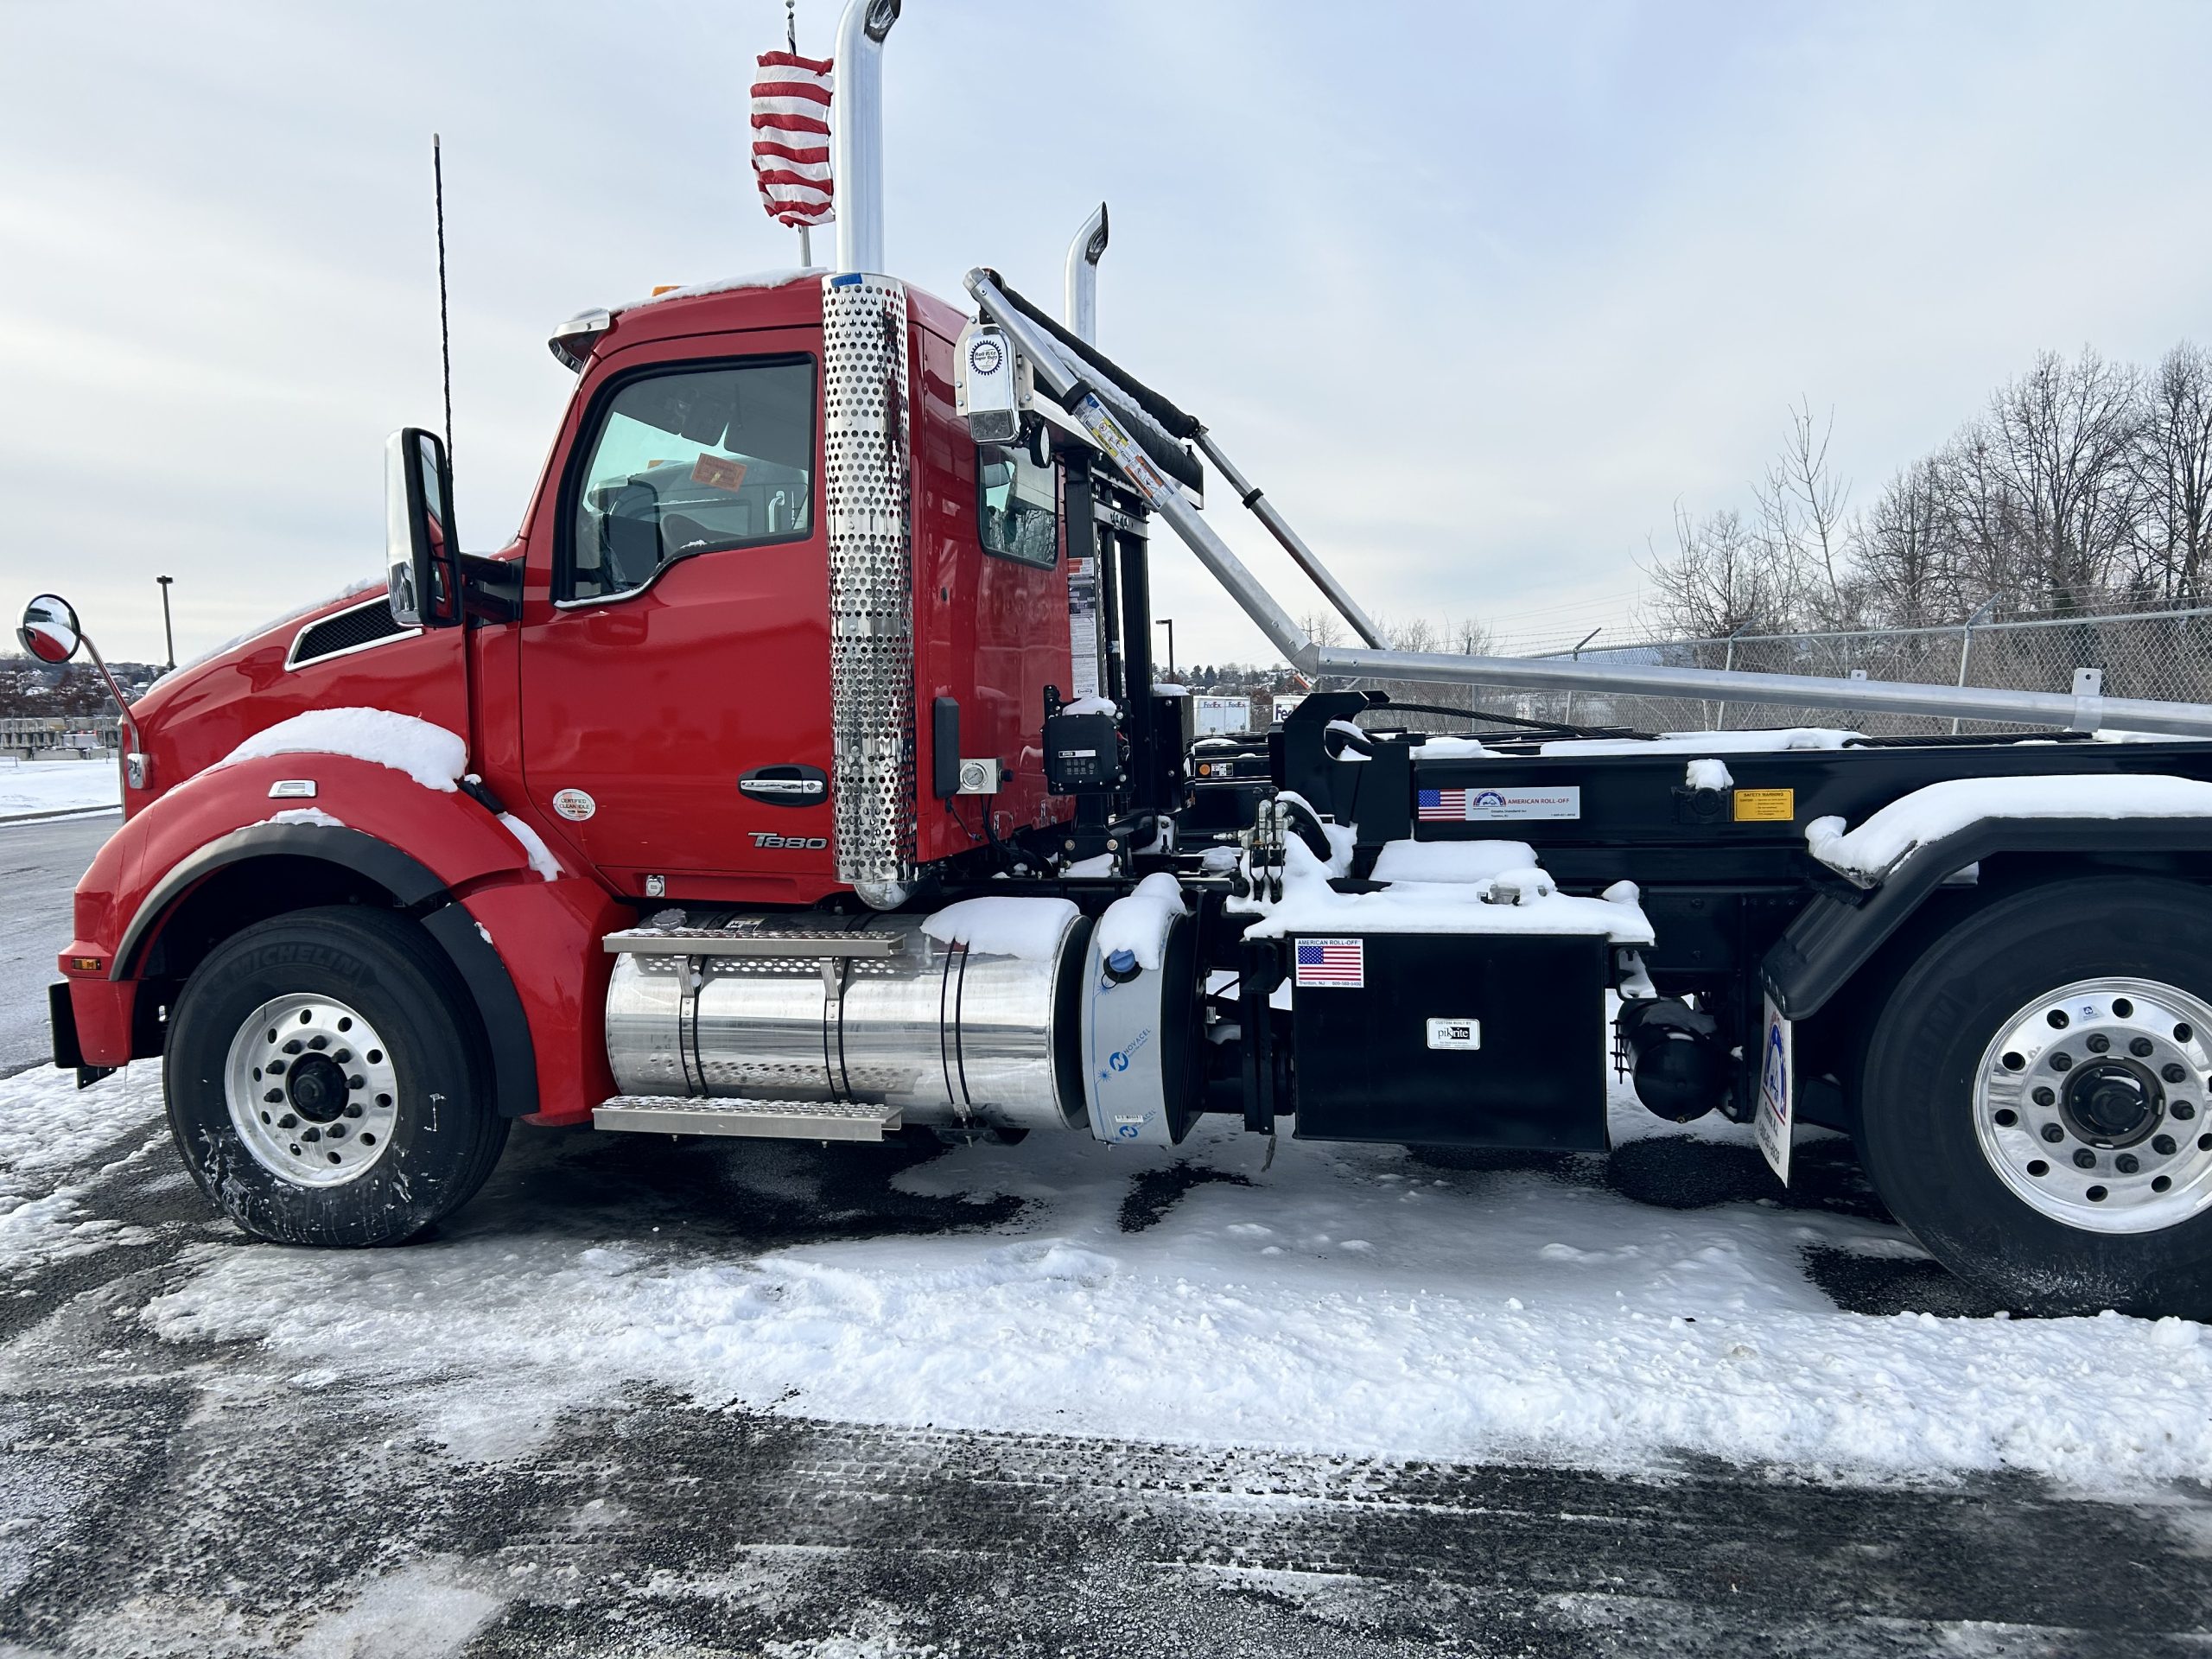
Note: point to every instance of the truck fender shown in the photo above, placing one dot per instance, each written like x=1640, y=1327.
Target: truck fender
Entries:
x=1838, y=933
x=227, y=817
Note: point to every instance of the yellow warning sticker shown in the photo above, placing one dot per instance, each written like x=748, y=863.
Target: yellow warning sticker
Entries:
x=1765, y=805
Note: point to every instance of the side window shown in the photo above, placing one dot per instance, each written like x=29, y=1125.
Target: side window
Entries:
x=692, y=461
x=1017, y=509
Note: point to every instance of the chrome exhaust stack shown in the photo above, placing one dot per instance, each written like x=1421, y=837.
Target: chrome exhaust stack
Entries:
x=856, y=133
x=1083, y=255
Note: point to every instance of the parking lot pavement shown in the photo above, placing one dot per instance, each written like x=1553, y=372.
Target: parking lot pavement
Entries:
x=610, y=1409
x=40, y=863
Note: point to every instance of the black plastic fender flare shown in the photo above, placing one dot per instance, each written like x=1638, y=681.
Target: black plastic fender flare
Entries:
x=1836, y=936
x=420, y=893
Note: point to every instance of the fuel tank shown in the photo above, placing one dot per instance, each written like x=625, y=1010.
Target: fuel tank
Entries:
x=856, y=1008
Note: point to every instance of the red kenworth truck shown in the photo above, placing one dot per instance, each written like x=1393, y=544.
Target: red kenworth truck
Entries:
x=800, y=769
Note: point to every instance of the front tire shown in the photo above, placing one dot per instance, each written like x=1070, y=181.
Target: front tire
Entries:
x=327, y=1082
x=2033, y=1103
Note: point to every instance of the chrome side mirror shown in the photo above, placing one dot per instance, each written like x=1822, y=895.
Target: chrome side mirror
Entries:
x=50, y=629
x=420, y=553
x=51, y=632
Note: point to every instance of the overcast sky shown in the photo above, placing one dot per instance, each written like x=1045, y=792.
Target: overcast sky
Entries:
x=1475, y=291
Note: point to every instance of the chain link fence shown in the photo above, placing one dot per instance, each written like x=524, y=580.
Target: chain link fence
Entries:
x=2161, y=655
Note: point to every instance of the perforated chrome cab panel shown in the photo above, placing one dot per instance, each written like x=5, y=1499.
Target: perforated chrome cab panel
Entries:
x=866, y=479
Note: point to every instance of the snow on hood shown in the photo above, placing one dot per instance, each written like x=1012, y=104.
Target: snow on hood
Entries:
x=1872, y=852
x=431, y=755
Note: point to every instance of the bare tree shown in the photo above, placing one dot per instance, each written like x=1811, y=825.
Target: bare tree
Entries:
x=1721, y=579
x=2174, y=475
x=2064, y=437
x=1904, y=551
x=1801, y=509
x=1322, y=627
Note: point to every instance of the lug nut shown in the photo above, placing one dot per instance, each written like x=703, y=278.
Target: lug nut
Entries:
x=2084, y=1158
x=357, y=1081
x=293, y=1046
x=274, y=1096
x=2061, y=1062
x=310, y=1134
x=2174, y=1071
x=352, y=1109
x=338, y=1133
x=2183, y=1109
x=2140, y=1048
x=287, y=1122
x=2163, y=1145
x=2125, y=1163
x=2045, y=1097
x=2099, y=1043
x=2053, y=1133
x=320, y=1041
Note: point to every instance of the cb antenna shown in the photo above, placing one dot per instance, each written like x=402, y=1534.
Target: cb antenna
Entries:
x=445, y=331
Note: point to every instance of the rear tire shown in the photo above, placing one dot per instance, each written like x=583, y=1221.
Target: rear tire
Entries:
x=2005, y=1119
x=328, y=1081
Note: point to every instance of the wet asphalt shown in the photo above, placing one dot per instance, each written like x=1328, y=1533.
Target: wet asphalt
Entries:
x=167, y=1497
x=162, y=1496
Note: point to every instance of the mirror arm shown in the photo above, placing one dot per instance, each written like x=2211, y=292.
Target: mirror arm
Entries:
x=491, y=588
x=121, y=703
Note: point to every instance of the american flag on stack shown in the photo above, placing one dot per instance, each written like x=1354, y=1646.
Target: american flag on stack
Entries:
x=790, y=138
x=1331, y=961
x=1441, y=805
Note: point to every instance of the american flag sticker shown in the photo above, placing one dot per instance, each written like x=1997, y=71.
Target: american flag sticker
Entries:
x=1442, y=805
x=1331, y=961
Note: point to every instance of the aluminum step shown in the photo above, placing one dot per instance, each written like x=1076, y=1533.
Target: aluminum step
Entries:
x=801, y=943
x=783, y=1120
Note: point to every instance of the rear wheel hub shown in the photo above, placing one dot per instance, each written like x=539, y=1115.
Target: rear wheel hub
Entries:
x=2089, y=1105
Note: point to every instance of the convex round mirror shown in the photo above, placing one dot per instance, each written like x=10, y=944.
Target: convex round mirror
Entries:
x=49, y=630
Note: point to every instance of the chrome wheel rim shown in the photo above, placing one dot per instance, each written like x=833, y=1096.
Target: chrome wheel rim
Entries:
x=311, y=1090
x=2090, y=1104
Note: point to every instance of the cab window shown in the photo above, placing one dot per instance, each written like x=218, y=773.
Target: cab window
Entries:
x=692, y=461
x=1018, y=508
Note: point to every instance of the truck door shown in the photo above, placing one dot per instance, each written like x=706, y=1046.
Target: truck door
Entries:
x=675, y=675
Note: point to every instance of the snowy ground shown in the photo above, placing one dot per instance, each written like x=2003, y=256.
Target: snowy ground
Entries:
x=646, y=1396
x=29, y=786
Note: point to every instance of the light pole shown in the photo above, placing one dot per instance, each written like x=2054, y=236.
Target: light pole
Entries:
x=1168, y=623
x=168, y=634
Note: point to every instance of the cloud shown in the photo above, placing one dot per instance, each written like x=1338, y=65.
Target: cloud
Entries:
x=1475, y=292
